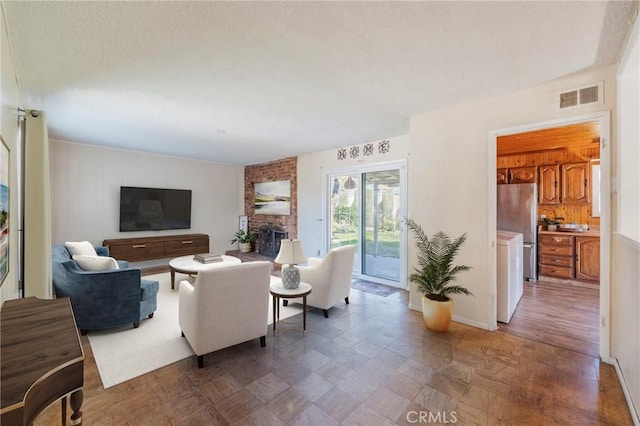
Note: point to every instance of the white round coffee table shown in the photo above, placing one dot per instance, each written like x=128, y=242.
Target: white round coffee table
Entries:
x=186, y=265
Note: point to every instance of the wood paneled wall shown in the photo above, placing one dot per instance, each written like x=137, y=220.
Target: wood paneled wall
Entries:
x=570, y=213
x=555, y=156
x=577, y=143
x=566, y=137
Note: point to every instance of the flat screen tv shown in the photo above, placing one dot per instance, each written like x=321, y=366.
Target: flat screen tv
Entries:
x=153, y=209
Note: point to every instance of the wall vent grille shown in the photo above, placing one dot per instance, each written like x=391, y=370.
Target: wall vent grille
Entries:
x=591, y=94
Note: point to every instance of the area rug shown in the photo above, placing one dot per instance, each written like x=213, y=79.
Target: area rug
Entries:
x=126, y=352
x=369, y=287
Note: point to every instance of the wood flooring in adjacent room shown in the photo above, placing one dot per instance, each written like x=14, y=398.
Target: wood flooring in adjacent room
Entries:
x=372, y=362
x=559, y=315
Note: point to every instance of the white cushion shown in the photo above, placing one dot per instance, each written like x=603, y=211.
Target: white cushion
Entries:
x=82, y=247
x=95, y=263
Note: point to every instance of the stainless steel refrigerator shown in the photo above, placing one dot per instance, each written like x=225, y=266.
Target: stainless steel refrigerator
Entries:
x=518, y=212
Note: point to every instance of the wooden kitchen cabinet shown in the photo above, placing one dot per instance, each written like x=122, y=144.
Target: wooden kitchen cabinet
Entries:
x=502, y=176
x=587, y=258
x=575, y=183
x=548, y=186
x=570, y=256
x=523, y=175
x=556, y=257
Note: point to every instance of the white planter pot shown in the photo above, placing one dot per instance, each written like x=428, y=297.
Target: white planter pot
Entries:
x=245, y=247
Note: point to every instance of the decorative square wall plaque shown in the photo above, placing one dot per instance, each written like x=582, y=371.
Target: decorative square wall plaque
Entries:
x=367, y=149
x=355, y=151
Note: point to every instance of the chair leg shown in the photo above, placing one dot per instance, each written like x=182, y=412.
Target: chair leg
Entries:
x=263, y=341
x=182, y=333
x=136, y=324
x=151, y=314
x=285, y=302
x=346, y=300
x=326, y=313
x=200, y=361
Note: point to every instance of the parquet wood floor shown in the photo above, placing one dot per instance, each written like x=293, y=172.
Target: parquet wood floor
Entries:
x=370, y=363
x=558, y=314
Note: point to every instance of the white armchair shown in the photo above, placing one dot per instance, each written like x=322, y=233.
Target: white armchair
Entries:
x=225, y=306
x=330, y=278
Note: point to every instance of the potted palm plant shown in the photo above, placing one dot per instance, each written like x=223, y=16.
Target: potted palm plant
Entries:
x=244, y=240
x=435, y=275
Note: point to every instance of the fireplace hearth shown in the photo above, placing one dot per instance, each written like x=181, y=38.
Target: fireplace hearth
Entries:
x=269, y=240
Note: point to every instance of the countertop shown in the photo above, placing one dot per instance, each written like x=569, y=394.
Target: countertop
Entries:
x=589, y=233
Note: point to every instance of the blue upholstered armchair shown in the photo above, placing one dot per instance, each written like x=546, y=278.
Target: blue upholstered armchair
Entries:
x=103, y=299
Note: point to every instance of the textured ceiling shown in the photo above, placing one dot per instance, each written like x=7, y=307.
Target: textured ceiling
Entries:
x=248, y=82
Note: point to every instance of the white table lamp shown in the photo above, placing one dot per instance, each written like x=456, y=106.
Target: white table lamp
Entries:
x=291, y=253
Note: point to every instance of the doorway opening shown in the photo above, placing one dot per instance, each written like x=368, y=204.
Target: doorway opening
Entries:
x=563, y=159
x=365, y=207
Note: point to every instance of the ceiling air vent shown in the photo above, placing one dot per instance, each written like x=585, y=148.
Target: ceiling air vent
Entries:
x=586, y=95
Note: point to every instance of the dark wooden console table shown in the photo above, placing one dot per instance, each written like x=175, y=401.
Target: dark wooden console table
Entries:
x=146, y=248
x=41, y=360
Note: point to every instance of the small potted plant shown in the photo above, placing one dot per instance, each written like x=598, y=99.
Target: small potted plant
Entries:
x=244, y=240
x=435, y=275
x=552, y=224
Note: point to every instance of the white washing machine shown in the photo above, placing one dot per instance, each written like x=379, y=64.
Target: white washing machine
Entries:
x=509, y=273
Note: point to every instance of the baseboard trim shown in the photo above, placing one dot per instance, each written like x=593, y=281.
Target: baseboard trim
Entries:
x=477, y=324
x=625, y=390
x=459, y=319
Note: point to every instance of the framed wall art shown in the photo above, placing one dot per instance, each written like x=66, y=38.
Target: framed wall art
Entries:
x=244, y=223
x=4, y=210
x=273, y=198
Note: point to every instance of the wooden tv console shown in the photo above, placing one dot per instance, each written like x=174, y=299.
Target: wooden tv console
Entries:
x=148, y=248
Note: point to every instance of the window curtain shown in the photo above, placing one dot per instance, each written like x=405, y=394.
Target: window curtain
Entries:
x=37, y=208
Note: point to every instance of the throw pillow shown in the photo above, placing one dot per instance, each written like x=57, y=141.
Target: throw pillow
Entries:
x=82, y=247
x=95, y=263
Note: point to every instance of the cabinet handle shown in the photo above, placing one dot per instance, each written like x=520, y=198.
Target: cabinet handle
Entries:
x=187, y=242
x=139, y=246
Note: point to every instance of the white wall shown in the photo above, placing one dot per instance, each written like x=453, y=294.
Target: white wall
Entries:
x=625, y=296
x=311, y=168
x=625, y=255
x=86, y=182
x=452, y=174
x=11, y=100
x=629, y=143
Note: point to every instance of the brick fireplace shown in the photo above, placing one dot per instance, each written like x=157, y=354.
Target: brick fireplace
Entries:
x=281, y=226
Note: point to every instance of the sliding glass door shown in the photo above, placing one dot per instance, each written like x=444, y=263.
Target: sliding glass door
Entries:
x=381, y=224
x=344, y=210
x=365, y=208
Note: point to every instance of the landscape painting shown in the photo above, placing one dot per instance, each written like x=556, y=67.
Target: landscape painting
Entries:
x=4, y=210
x=273, y=198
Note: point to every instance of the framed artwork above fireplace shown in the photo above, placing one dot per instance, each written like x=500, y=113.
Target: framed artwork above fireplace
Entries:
x=273, y=198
